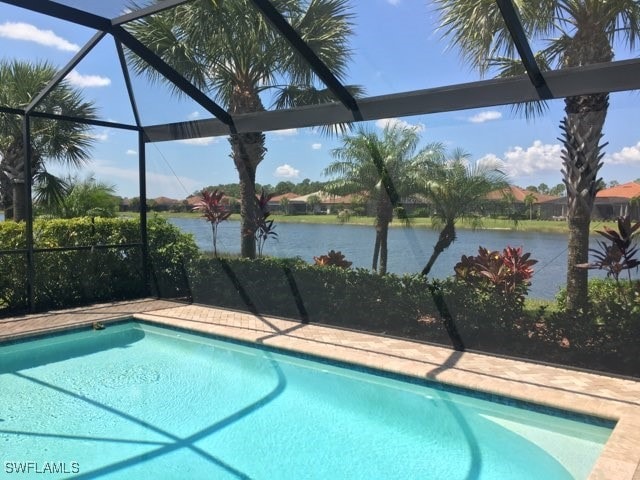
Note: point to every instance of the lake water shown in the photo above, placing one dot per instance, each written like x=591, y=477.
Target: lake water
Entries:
x=409, y=248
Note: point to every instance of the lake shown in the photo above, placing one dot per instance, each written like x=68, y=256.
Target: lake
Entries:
x=409, y=248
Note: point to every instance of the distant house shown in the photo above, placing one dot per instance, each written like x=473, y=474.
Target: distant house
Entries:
x=506, y=200
x=275, y=203
x=327, y=203
x=162, y=204
x=618, y=201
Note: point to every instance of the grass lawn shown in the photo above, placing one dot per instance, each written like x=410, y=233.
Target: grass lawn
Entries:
x=544, y=226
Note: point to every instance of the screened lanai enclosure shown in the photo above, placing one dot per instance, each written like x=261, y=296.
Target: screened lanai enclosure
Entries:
x=417, y=169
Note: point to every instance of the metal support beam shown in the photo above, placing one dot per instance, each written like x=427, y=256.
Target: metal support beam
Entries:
x=63, y=12
x=127, y=81
x=65, y=70
x=144, y=239
x=171, y=74
x=512, y=20
x=87, y=121
x=611, y=77
x=28, y=179
x=318, y=66
x=150, y=10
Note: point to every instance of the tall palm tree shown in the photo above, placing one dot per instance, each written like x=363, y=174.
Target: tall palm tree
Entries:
x=67, y=143
x=529, y=201
x=453, y=185
x=574, y=33
x=382, y=166
x=226, y=48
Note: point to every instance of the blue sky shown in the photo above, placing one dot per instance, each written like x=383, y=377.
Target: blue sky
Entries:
x=395, y=48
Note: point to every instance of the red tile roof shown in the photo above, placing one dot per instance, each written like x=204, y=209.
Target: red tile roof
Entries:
x=626, y=190
x=518, y=194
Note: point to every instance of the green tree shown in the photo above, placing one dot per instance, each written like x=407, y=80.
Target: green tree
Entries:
x=452, y=186
x=572, y=33
x=558, y=190
x=284, y=204
x=529, y=200
x=229, y=50
x=284, y=187
x=88, y=197
x=66, y=143
x=313, y=202
x=383, y=166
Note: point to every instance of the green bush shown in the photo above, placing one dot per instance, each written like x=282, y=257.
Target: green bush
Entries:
x=83, y=276
x=325, y=294
x=612, y=318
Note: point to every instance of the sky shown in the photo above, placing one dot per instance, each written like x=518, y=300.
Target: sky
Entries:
x=396, y=47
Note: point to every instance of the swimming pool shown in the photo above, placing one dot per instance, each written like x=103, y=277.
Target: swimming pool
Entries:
x=140, y=401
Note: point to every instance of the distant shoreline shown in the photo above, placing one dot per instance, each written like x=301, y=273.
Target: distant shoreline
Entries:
x=539, y=226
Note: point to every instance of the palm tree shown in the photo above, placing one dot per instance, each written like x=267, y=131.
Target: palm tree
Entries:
x=452, y=185
x=385, y=167
x=574, y=33
x=529, y=200
x=64, y=142
x=226, y=48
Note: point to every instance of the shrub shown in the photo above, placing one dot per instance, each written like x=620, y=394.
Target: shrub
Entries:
x=334, y=259
x=292, y=288
x=87, y=275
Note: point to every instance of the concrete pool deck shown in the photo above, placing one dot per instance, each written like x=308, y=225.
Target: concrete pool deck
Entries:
x=583, y=392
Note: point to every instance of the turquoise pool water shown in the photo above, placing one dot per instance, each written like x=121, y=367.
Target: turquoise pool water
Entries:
x=138, y=401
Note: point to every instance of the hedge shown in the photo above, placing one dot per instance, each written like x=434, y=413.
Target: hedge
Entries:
x=80, y=277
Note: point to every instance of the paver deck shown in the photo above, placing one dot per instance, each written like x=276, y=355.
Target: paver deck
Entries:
x=583, y=392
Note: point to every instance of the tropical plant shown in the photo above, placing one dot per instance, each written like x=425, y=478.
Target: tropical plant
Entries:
x=508, y=272
x=266, y=227
x=67, y=143
x=333, y=259
x=385, y=168
x=573, y=33
x=529, y=201
x=230, y=51
x=621, y=254
x=452, y=185
x=313, y=202
x=213, y=211
x=284, y=204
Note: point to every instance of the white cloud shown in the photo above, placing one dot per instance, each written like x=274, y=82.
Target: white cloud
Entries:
x=522, y=162
x=193, y=115
x=626, y=156
x=288, y=132
x=485, y=116
x=101, y=137
x=316, y=146
x=131, y=152
x=393, y=2
x=201, y=142
x=31, y=33
x=79, y=80
x=396, y=122
x=286, y=171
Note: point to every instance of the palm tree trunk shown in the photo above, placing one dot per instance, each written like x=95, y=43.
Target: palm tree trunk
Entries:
x=384, y=215
x=248, y=151
x=19, y=201
x=445, y=239
x=581, y=157
x=376, y=252
x=582, y=132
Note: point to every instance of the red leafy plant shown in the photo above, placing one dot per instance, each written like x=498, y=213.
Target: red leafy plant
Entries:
x=265, y=228
x=333, y=258
x=620, y=254
x=214, y=211
x=509, y=271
